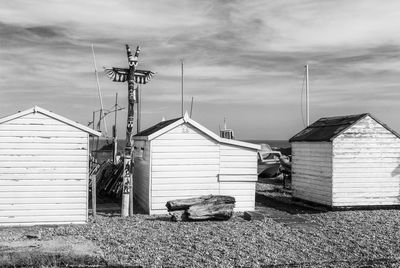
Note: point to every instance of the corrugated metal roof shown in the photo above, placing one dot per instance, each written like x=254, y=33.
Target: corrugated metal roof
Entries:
x=327, y=128
x=157, y=127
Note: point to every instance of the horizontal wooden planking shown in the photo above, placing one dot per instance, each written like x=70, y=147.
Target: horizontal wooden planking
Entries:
x=239, y=158
x=325, y=200
x=35, y=127
x=48, y=146
x=377, y=164
x=366, y=188
x=47, y=212
x=184, y=149
x=247, y=193
x=43, y=200
x=28, y=133
x=41, y=188
x=232, y=147
x=366, y=151
x=44, y=158
x=366, y=202
x=337, y=181
x=370, y=194
x=238, y=170
x=367, y=143
x=311, y=190
x=43, y=152
x=312, y=183
x=183, y=174
x=46, y=182
x=365, y=159
x=39, y=176
x=58, y=140
x=366, y=148
x=36, y=207
x=42, y=194
x=177, y=193
x=18, y=164
x=184, y=180
x=321, y=185
x=311, y=170
x=178, y=168
x=244, y=153
x=377, y=154
x=307, y=162
x=175, y=142
x=238, y=186
x=304, y=176
x=225, y=164
x=39, y=219
x=42, y=170
x=192, y=186
x=184, y=155
x=372, y=169
x=237, y=178
x=366, y=176
x=185, y=161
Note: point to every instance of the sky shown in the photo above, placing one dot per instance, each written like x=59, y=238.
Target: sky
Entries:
x=243, y=60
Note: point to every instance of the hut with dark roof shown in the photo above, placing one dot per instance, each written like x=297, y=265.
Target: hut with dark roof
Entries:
x=347, y=161
x=180, y=158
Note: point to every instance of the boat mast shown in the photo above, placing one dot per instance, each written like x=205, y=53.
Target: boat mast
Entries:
x=182, y=87
x=307, y=99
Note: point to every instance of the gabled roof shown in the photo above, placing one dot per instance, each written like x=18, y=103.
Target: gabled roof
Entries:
x=37, y=109
x=157, y=127
x=165, y=126
x=328, y=128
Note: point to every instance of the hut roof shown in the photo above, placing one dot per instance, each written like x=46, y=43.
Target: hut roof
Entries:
x=164, y=126
x=37, y=109
x=157, y=127
x=328, y=128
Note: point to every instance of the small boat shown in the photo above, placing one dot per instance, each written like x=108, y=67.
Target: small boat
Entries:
x=268, y=162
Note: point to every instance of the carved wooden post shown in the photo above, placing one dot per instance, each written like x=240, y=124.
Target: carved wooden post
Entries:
x=133, y=77
x=127, y=194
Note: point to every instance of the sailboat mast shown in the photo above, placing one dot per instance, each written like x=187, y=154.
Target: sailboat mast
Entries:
x=307, y=98
x=182, y=87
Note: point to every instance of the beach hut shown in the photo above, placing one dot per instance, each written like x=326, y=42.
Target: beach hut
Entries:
x=180, y=158
x=347, y=161
x=43, y=169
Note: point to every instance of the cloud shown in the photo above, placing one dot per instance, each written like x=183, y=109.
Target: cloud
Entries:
x=246, y=55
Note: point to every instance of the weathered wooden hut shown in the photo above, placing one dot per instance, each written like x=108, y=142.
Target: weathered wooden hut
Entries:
x=347, y=161
x=180, y=158
x=43, y=169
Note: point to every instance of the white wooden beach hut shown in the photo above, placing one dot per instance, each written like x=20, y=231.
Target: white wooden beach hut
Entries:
x=43, y=169
x=347, y=161
x=180, y=158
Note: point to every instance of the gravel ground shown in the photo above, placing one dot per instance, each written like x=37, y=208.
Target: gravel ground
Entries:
x=342, y=239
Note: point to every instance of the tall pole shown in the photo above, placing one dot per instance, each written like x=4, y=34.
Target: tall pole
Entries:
x=139, y=108
x=191, y=108
x=182, y=88
x=307, y=99
x=99, y=91
x=115, y=141
x=133, y=77
x=127, y=194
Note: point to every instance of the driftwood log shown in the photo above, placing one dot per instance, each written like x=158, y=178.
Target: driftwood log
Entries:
x=206, y=207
